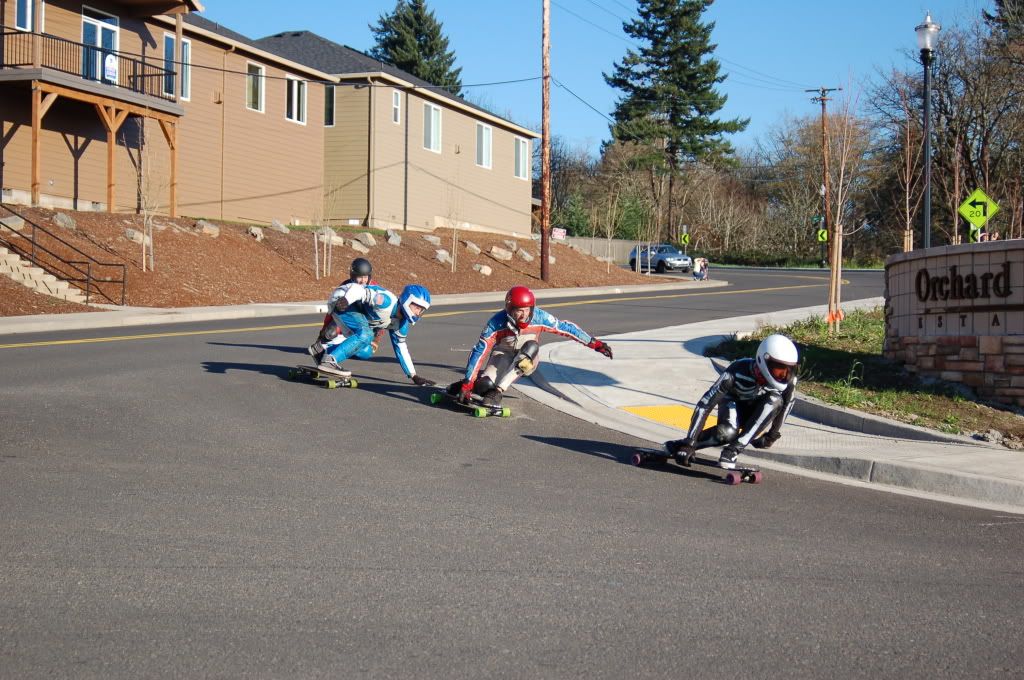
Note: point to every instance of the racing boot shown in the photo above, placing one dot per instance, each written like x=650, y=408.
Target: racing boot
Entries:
x=728, y=458
x=329, y=365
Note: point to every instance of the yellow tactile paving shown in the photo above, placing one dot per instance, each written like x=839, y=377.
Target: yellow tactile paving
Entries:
x=675, y=415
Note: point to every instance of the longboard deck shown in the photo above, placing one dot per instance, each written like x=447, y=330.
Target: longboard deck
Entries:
x=737, y=475
x=315, y=375
x=478, y=409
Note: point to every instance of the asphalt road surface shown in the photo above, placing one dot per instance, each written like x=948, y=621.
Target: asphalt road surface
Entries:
x=173, y=506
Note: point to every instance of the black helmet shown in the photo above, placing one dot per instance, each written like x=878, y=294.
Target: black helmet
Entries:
x=360, y=267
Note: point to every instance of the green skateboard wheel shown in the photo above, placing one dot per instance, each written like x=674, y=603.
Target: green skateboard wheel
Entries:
x=435, y=398
x=506, y=412
x=480, y=412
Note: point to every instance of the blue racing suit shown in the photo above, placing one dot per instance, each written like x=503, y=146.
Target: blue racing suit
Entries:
x=360, y=311
x=503, y=333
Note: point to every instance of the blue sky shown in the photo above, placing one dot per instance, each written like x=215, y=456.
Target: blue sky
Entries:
x=772, y=49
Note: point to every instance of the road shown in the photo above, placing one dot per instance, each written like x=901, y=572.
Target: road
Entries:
x=174, y=507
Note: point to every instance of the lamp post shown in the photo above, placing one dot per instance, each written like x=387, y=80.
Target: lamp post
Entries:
x=927, y=41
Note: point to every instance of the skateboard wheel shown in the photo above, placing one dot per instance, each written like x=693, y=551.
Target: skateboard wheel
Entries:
x=435, y=398
x=292, y=373
x=331, y=384
x=480, y=412
x=637, y=460
x=353, y=384
x=756, y=477
x=506, y=412
x=733, y=478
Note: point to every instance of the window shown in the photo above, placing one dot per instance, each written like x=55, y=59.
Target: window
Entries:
x=396, y=107
x=522, y=158
x=328, y=105
x=432, y=128
x=100, y=34
x=483, y=145
x=295, y=107
x=23, y=15
x=254, y=87
x=172, y=68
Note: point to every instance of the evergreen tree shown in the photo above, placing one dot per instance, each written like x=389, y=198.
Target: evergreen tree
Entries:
x=669, y=97
x=411, y=39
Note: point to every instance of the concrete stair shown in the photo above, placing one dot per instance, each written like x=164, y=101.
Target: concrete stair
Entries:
x=14, y=267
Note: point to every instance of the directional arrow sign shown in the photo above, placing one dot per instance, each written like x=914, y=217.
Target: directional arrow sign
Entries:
x=978, y=208
x=822, y=235
x=685, y=238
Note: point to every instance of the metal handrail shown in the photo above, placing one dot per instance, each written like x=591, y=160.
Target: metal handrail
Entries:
x=134, y=72
x=60, y=267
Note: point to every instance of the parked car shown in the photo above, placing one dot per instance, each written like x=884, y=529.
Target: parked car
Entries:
x=661, y=257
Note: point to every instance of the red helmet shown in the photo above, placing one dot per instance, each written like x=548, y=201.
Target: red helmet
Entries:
x=520, y=296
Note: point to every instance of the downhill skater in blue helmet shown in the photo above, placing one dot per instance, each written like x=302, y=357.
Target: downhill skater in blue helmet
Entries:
x=360, y=311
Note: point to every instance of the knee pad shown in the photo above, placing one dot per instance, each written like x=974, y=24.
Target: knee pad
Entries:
x=726, y=433
x=525, y=361
x=483, y=385
x=329, y=332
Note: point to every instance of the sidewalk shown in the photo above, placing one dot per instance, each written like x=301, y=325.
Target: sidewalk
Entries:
x=651, y=386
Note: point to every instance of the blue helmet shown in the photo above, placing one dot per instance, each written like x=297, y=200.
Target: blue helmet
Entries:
x=413, y=294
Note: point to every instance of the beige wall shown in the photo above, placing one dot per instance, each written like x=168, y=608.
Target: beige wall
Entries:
x=233, y=163
x=346, y=155
x=446, y=188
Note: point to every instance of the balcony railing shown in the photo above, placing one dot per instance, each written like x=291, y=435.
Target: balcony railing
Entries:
x=96, y=64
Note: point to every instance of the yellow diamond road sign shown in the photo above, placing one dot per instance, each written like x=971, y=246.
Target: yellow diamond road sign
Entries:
x=978, y=208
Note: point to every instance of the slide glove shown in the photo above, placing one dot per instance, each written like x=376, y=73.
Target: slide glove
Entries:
x=423, y=382
x=766, y=440
x=599, y=346
x=682, y=450
x=466, y=392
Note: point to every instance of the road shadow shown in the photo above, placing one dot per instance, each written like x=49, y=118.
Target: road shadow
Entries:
x=620, y=453
x=223, y=367
x=291, y=349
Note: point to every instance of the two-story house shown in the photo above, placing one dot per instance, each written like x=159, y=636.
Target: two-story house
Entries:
x=401, y=153
x=123, y=104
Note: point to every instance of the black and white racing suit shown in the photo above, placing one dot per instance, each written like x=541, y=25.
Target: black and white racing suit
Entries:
x=747, y=409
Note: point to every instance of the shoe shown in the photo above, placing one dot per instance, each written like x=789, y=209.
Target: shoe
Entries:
x=728, y=458
x=492, y=398
x=329, y=365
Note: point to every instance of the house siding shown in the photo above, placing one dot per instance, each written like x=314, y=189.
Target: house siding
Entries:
x=346, y=155
x=233, y=163
x=447, y=188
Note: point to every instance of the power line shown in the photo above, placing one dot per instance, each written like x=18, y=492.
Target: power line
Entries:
x=581, y=99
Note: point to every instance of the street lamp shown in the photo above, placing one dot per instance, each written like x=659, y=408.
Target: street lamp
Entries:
x=927, y=41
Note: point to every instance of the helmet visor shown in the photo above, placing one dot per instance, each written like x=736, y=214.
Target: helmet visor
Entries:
x=779, y=371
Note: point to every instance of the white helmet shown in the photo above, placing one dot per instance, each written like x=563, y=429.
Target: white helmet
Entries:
x=776, y=359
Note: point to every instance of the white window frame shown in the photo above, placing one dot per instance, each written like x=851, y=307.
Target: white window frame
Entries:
x=186, y=67
x=299, y=89
x=522, y=147
x=260, y=80
x=430, y=111
x=100, y=25
x=485, y=159
x=30, y=8
x=329, y=93
x=396, y=107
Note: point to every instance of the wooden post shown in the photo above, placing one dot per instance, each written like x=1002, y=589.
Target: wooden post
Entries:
x=170, y=131
x=37, y=104
x=37, y=30
x=545, y=150
x=112, y=120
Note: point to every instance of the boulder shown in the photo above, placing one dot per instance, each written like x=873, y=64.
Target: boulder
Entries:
x=551, y=259
x=327, y=235
x=511, y=245
x=208, y=229
x=12, y=222
x=483, y=269
x=394, y=240
x=256, y=233
x=358, y=247
x=64, y=221
x=473, y=248
x=432, y=240
x=136, y=236
x=523, y=255
x=278, y=227
x=500, y=254
x=367, y=239
x=443, y=256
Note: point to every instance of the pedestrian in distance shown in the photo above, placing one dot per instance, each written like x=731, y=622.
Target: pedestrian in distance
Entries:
x=753, y=398
x=509, y=344
x=360, y=311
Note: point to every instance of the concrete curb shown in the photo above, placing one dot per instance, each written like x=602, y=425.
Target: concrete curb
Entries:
x=117, y=317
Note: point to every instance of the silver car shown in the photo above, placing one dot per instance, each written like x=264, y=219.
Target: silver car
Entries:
x=662, y=258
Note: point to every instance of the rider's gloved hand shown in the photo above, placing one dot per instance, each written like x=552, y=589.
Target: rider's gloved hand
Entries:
x=682, y=450
x=423, y=382
x=466, y=391
x=599, y=346
x=766, y=440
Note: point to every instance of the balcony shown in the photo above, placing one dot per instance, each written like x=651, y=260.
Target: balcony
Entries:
x=99, y=71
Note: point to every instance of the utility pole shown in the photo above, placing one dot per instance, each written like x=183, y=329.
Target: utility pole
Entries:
x=831, y=226
x=545, y=143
